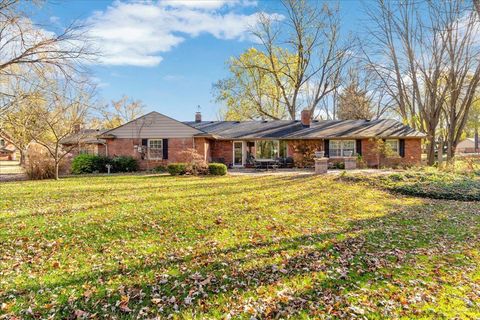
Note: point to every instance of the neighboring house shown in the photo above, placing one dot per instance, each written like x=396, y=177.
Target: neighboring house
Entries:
x=7, y=150
x=86, y=141
x=156, y=139
x=466, y=146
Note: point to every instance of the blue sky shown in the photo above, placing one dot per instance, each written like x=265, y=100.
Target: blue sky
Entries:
x=169, y=53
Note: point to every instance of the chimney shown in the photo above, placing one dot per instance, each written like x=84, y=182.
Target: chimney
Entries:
x=76, y=128
x=198, y=116
x=305, y=118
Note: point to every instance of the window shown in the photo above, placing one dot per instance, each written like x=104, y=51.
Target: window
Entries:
x=2, y=143
x=393, y=144
x=88, y=149
x=341, y=148
x=283, y=149
x=267, y=149
x=155, y=149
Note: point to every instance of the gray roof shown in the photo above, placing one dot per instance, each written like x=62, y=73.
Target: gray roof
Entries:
x=293, y=129
x=85, y=136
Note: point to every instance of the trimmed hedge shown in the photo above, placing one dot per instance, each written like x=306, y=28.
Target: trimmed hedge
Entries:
x=88, y=163
x=124, y=164
x=217, y=169
x=176, y=169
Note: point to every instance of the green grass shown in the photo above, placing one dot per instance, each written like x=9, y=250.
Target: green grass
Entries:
x=240, y=247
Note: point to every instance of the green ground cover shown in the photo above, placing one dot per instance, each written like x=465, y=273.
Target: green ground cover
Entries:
x=234, y=246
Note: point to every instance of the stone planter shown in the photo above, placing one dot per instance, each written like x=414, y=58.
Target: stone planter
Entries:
x=321, y=165
x=350, y=163
x=319, y=154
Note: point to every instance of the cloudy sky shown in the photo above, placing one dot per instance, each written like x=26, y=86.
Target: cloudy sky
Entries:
x=168, y=53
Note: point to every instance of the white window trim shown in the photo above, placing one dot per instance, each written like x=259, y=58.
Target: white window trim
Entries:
x=398, y=145
x=243, y=153
x=148, y=148
x=341, y=148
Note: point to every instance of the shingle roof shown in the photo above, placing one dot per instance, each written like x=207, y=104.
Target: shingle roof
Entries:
x=85, y=136
x=293, y=129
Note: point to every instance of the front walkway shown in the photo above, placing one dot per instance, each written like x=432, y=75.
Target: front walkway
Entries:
x=295, y=171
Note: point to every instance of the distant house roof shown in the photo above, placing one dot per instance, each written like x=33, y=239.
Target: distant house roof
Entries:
x=85, y=136
x=293, y=129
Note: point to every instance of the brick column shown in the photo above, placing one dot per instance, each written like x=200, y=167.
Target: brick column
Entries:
x=350, y=163
x=321, y=165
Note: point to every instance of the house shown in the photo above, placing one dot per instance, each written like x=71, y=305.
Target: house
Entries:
x=467, y=146
x=155, y=139
x=86, y=141
x=7, y=150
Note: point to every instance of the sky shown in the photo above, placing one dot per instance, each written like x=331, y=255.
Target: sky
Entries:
x=169, y=53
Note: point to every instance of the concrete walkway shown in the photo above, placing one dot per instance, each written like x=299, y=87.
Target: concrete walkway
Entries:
x=253, y=172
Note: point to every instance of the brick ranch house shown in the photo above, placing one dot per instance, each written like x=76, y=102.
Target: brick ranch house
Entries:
x=7, y=150
x=155, y=139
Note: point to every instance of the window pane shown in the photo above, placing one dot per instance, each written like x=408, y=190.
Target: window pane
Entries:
x=393, y=143
x=155, y=149
x=348, y=148
x=335, y=148
x=267, y=149
x=283, y=149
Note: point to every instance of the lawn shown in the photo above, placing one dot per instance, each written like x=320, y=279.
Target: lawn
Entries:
x=234, y=246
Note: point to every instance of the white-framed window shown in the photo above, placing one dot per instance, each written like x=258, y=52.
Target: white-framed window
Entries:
x=341, y=148
x=394, y=145
x=2, y=143
x=155, y=149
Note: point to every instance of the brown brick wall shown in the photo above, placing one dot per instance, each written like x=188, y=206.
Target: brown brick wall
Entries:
x=125, y=147
x=222, y=149
x=413, y=154
x=202, y=146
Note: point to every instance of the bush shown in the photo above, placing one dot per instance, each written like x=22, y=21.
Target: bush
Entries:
x=124, y=164
x=217, y=169
x=40, y=165
x=89, y=163
x=160, y=169
x=176, y=169
x=195, y=163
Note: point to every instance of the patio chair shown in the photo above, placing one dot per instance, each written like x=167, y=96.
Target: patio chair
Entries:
x=289, y=162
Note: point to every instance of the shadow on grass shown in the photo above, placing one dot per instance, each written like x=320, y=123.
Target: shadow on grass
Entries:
x=377, y=251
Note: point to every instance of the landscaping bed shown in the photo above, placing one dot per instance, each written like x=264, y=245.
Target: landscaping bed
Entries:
x=426, y=183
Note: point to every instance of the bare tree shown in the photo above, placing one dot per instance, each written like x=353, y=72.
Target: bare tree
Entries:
x=305, y=55
x=421, y=56
x=28, y=51
x=62, y=111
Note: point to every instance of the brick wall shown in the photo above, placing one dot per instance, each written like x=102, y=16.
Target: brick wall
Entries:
x=125, y=147
x=222, y=149
x=413, y=154
x=202, y=146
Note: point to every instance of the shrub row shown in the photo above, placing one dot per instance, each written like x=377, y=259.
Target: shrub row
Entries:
x=175, y=169
x=87, y=163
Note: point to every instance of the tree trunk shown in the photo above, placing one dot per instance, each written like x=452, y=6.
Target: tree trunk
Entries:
x=440, y=152
x=57, y=164
x=22, y=157
x=476, y=141
x=431, y=150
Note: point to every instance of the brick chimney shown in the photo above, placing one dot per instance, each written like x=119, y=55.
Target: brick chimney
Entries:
x=198, y=116
x=76, y=128
x=305, y=118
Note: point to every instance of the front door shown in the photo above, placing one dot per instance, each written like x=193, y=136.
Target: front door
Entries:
x=238, y=153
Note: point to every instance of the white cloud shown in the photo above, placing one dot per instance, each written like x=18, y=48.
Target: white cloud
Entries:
x=137, y=33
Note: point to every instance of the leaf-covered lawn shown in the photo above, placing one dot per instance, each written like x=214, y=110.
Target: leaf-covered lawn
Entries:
x=239, y=247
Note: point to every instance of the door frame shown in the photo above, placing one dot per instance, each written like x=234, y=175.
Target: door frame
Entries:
x=233, y=153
